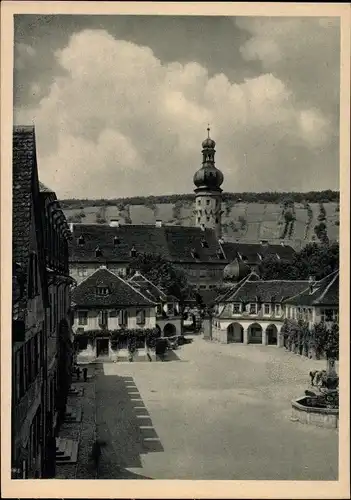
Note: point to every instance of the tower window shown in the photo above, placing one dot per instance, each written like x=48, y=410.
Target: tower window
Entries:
x=133, y=251
x=216, y=220
x=200, y=212
x=208, y=219
x=199, y=201
x=207, y=202
x=81, y=240
x=116, y=241
x=198, y=220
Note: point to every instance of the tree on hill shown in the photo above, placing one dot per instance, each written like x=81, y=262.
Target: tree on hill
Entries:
x=162, y=273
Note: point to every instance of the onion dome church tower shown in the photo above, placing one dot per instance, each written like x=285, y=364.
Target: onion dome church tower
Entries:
x=208, y=199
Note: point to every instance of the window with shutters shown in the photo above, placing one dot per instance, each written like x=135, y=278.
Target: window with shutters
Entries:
x=170, y=309
x=237, y=308
x=82, y=272
x=140, y=317
x=103, y=318
x=253, y=308
x=328, y=315
x=82, y=317
x=123, y=318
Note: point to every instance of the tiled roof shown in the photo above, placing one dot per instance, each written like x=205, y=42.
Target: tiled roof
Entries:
x=324, y=292
x=250, y=251
x=25, y=198
x=121, y=292
x=265, y=291
x=147, y=288
x=22, y=175
x=174, y=243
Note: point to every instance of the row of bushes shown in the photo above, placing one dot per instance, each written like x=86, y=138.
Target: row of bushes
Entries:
x=285, y=198
x=316, y=342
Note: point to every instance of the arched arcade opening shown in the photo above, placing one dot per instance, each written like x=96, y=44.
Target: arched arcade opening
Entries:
x=169, y=330
x=235, y=333
x=272, y=335
x=255, y=334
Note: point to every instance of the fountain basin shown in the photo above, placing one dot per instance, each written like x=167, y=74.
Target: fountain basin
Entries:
x=303, y=412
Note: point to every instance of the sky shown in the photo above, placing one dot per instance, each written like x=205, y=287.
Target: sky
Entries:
x=121, y=104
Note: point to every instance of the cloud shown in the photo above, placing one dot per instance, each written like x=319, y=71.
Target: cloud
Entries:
x=23, y=55
x=119, y=122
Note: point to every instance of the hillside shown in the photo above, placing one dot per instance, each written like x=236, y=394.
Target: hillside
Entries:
x=296, y=218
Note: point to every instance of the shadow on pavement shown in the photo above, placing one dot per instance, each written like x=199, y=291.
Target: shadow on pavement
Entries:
x=124, y=424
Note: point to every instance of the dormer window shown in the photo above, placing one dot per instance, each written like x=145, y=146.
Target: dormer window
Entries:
x=98, y=252
x=220, y=254
x=236, y=308
x=81, y=240
x=102, y=290
x=194, y=254
x=116, y=241
x=204, y=243
x=133, y=252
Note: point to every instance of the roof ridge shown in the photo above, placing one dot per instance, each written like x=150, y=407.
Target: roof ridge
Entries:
x=94, y=272
x=336, y=274
x=132, y=287
x=240, y=285
x=151, y=283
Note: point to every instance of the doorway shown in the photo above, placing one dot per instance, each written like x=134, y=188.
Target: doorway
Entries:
x=102, y=347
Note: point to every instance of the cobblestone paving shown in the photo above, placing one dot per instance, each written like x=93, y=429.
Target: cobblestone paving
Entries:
x=222, y=413
x=83, y=431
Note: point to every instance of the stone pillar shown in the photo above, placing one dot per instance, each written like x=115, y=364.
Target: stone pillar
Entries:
x=207, y=328
x=264, y=335
x=246, y=335
x=280, y=340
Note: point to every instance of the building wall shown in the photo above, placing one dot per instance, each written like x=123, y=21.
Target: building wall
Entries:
x=203, y=275
x=58, y=314
x=198, y=273
x=28, y=403
x=113, y=322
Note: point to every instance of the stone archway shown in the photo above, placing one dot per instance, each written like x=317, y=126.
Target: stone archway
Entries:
x=272, y=334
x=169, y=330
x=235, y=333
x=255, y=333
x=158, y=331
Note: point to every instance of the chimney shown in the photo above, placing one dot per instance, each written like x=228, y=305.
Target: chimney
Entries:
x=114, y=222
x=158, y=223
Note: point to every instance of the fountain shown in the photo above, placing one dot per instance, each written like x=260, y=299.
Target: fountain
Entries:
x=320, y=407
